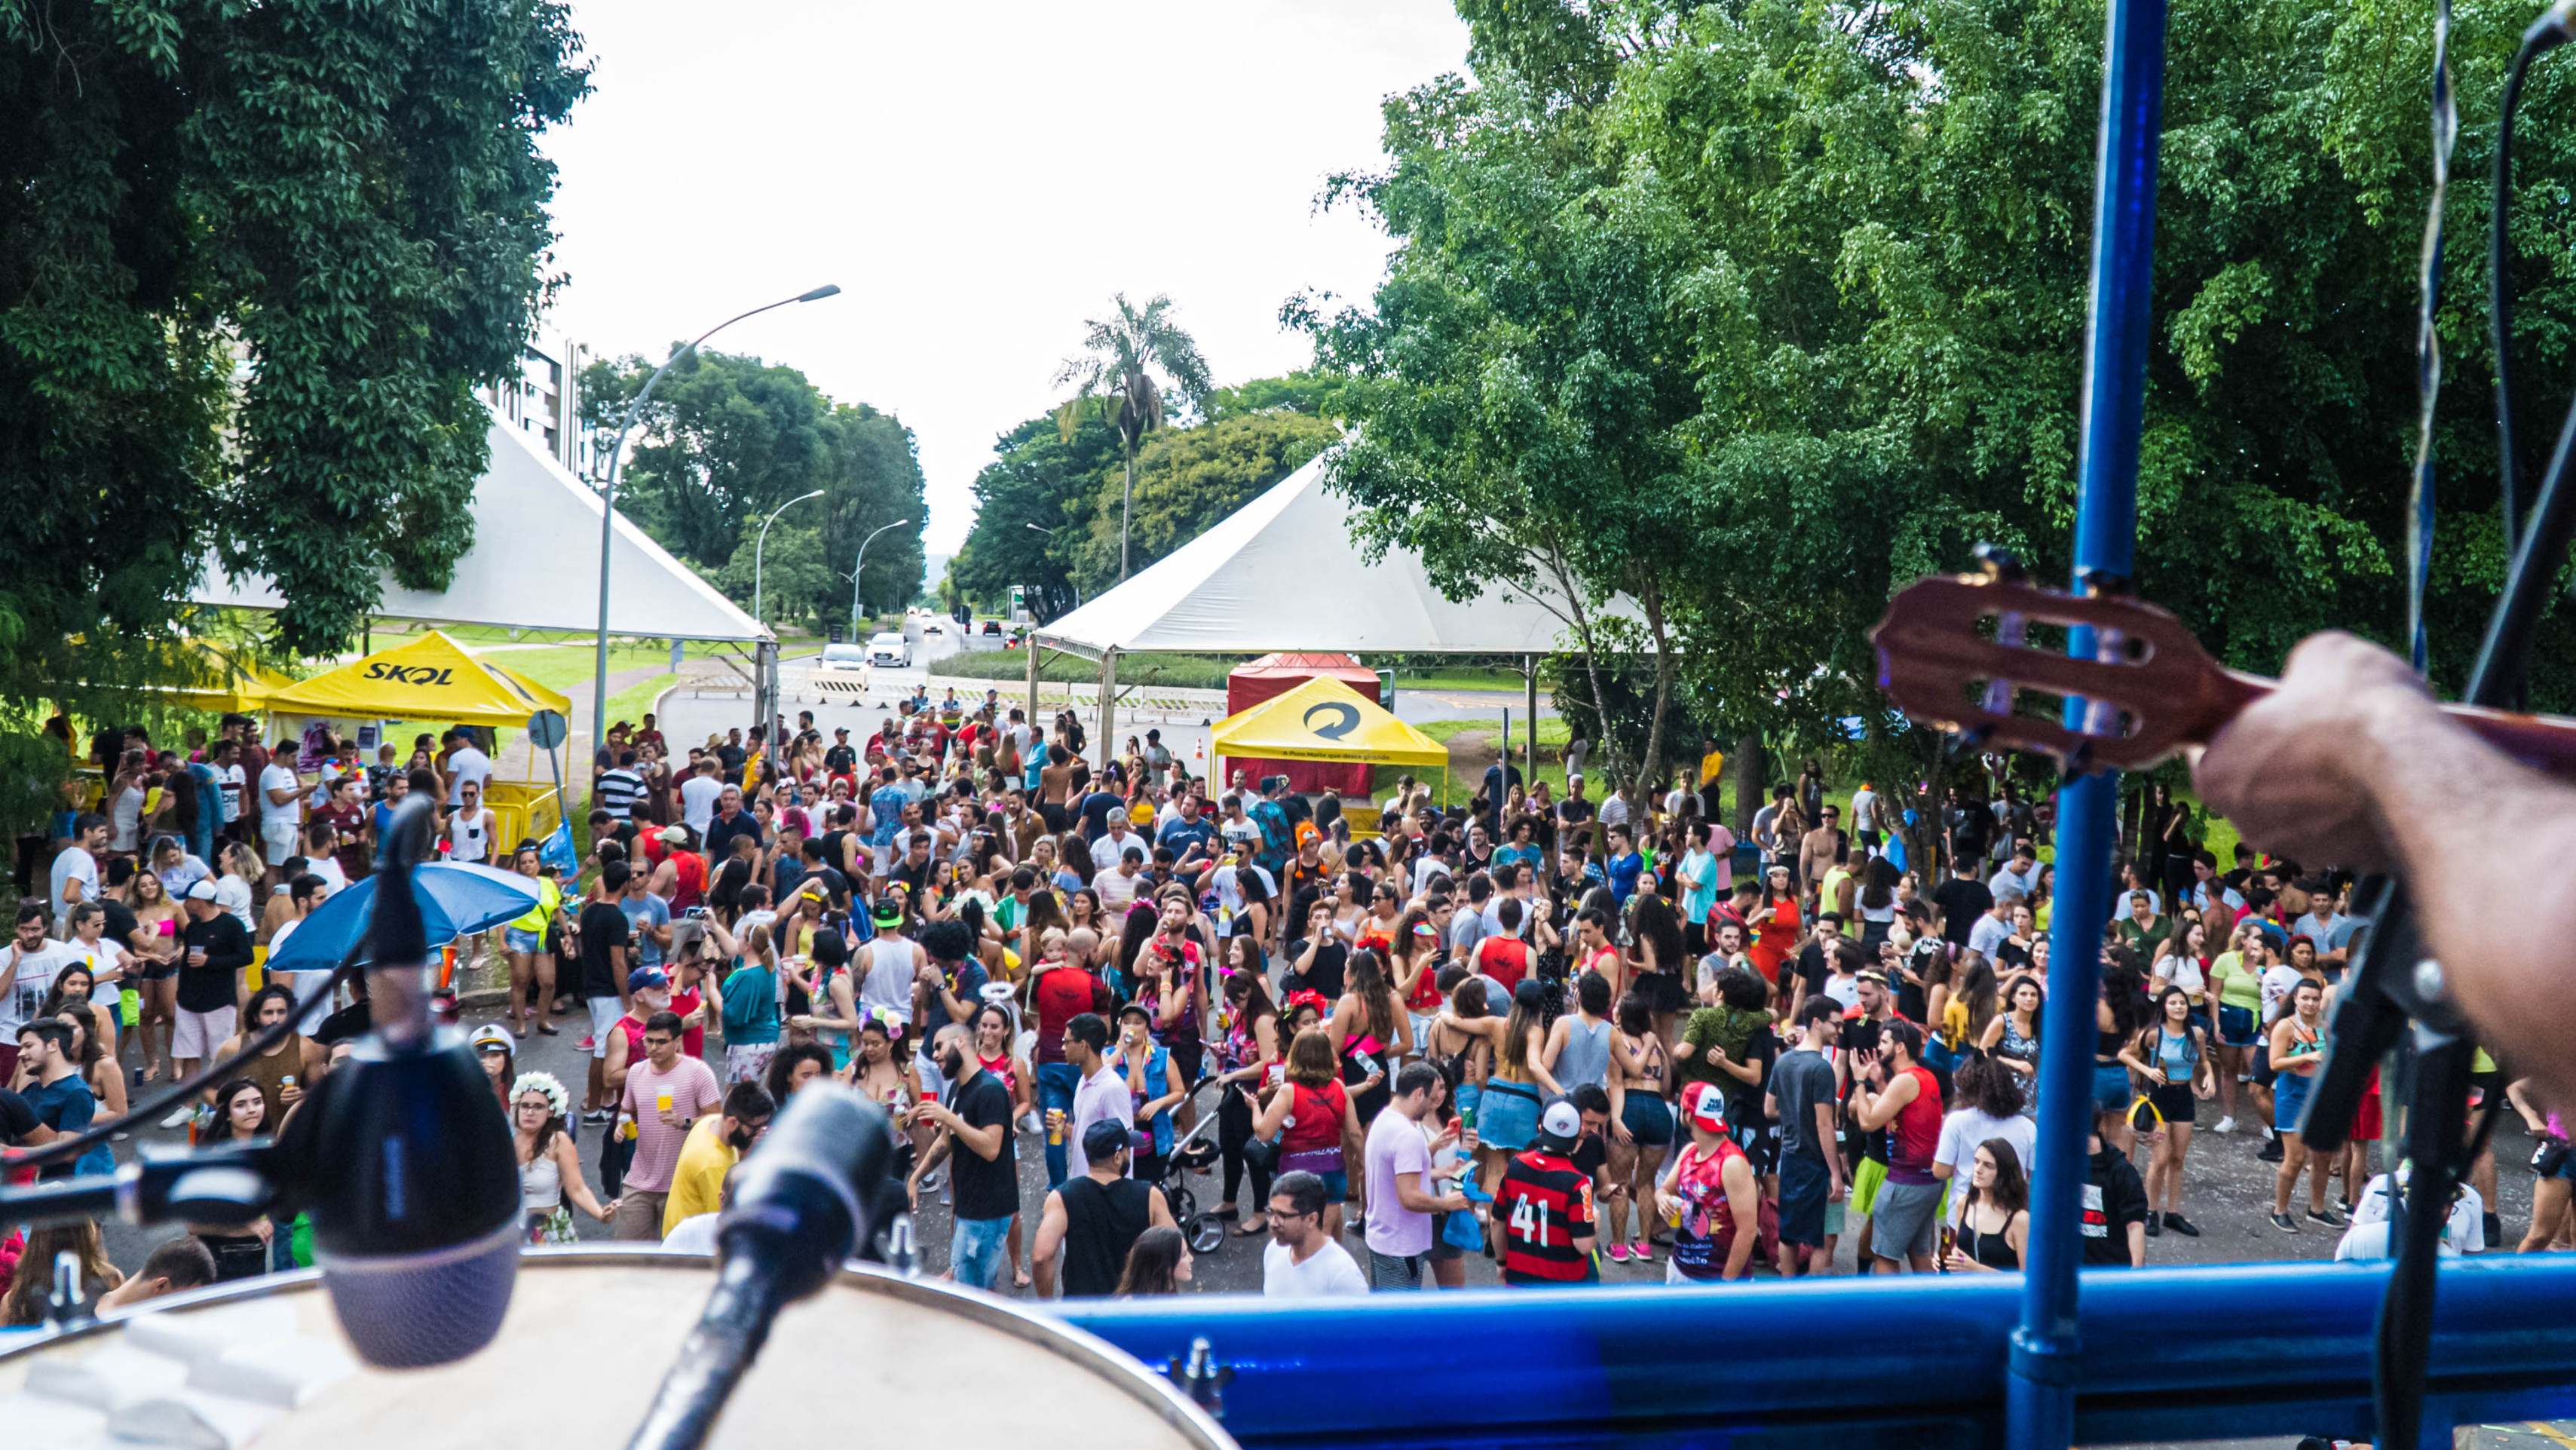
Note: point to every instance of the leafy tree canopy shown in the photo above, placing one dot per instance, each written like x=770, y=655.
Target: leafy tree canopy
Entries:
x=1756, y=311
x=254, y=261
x=725, y=440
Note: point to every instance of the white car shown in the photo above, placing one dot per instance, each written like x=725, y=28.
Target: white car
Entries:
x=890, y=649
x=842, y=657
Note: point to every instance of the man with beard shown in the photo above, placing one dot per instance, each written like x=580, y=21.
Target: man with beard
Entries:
x=975, y=1126
x=711, y=1150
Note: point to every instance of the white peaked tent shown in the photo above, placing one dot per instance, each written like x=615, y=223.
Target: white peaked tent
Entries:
x=534, y=564
x=1284, y=573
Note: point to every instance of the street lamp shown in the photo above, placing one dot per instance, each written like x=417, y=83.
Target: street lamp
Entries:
x=860, y=568
x=763, y=542
x=608, y=500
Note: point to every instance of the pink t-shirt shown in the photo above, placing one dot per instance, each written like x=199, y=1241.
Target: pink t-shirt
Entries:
x=1396, y=1145
x=694, y=1093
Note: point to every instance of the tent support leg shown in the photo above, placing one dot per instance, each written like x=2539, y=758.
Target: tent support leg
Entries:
x=1108, y=709
x=1529, y=683
x=1031, y=645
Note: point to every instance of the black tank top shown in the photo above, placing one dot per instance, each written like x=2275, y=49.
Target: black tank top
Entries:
x=1994, y=1250
x=1100, y=1225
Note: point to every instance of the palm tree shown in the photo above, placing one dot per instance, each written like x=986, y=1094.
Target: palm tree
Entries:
x=1117, y=376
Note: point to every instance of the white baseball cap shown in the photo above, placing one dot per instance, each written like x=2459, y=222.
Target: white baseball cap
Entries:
x=1562, y=1124
x=202, y=891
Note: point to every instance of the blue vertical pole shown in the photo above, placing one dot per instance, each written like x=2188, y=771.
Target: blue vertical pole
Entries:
x=2040, y=1394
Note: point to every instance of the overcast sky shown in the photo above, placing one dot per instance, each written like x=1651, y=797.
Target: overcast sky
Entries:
x=978, y=180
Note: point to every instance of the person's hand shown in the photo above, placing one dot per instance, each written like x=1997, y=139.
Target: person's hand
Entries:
x=912, y=1194
x=668, y=1117
x=802, y=1021
x=1620, y=1135
x=1667, y=1205
x=2156, y=1075
x=1960, y=1262
x=2204, y=1090
x=1839, y=1192
x=608, y=1211
x=2286, y=770
x=1449, y=1131
x=289, y=1095
x=262, y=1227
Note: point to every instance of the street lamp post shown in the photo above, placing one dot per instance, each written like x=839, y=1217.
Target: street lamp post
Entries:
x=860, y=568
x=763, y=542
x=608, y=500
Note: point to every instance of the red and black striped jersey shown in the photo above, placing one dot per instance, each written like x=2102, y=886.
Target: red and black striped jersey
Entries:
x=1544, y=1204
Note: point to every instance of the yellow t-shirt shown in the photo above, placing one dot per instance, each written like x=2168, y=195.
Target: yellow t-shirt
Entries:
x=1711, y=766
x=549, y=900
x=697, y=1181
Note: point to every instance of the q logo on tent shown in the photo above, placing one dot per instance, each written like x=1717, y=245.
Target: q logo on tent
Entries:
x=1344, y=718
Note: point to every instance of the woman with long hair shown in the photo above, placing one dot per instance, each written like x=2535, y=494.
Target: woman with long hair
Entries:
x=156, y=944
x=2183, y=961
x=1994, y=1223
x=1081, y=910
x=1773, y=924
x=2171, y=1056
x=1662, y=969
x=33, y=1285
x=98, y=1067
x=1641, y=1125
x=237, y=884
x=2298, y=1050
x=1877, y=901
x=2012, y=1038
x=886, y=1077
x=241, y=1251
x=549, y=1168
x=1157, y=1263
x=1414, y=967
x=1312, y=1117
x=1246, y=1056
x=2119, y=1014
x=75, y=992
x=1369, y=1033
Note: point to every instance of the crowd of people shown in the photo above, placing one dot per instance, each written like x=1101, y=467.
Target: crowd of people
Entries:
x=1552, y=1031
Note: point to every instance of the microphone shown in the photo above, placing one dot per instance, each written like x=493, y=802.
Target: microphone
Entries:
x=403, y=1159
x=801, y=1203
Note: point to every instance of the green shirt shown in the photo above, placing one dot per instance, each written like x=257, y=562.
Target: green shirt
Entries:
x=2236, y=986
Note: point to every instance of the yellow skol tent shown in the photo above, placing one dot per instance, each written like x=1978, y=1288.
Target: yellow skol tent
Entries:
x=1324, y=719
x=429, y=678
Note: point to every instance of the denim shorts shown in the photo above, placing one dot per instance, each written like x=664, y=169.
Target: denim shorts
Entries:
x=2111, y=1087
x=523, y=941
x=975, y=1250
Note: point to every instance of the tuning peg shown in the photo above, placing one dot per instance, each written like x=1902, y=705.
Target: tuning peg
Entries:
x=2000, y=563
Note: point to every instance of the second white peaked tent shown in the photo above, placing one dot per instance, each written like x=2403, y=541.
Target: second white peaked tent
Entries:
x=1284, y=573
x=534, y=564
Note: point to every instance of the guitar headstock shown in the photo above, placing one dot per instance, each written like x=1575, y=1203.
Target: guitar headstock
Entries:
x=2150, y=688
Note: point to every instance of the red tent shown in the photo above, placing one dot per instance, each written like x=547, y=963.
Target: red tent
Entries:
x=1276, y=674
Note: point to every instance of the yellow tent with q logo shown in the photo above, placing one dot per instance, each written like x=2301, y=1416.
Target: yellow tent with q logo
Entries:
x=429, y=678
x=1324, y=719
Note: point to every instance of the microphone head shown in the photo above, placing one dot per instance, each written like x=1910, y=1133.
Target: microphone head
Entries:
x=805, y=1198
x=413, y=1188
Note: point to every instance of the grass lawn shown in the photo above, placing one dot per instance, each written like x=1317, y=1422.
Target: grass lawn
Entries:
x=1472, y=747
x=1472, y=677
x=1177, y=671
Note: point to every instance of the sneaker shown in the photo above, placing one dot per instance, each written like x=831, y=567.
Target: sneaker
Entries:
x=2182, y=1225
x=179, y=1116
x=2328, y=1217
x=2155, y=1227
x=1616, y=1253
x=1641, y=1252
x=587, y=1044
x=2225, y=1125
x=2285, y=1223
x=2271, y=1152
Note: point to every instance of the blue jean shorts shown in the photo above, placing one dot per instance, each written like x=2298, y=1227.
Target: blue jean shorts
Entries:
x=975, y=1250
x=2111, y=1087
x=523, y=941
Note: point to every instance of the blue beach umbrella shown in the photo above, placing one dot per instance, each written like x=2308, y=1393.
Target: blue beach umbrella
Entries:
x=456, y=899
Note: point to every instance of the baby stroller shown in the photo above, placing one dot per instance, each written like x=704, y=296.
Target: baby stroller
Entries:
x=1192, y=1152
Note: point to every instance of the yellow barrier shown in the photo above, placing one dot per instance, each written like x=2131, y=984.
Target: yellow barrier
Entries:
x=522, y=810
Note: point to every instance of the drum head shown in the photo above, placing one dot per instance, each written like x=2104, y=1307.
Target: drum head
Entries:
x=591, y=1332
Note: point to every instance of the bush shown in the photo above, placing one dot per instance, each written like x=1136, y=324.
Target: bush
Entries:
x=1173, y=671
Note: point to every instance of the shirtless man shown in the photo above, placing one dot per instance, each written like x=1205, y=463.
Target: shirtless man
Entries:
x=1817, y=851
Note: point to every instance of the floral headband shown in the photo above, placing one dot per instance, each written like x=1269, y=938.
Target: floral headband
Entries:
x=884, y=1017
x=558, y=1101
x=1309, y=999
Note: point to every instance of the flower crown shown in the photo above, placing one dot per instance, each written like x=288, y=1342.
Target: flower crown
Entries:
x=558, y=1101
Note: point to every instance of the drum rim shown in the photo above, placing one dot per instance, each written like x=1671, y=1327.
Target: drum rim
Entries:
x=1142, y=1381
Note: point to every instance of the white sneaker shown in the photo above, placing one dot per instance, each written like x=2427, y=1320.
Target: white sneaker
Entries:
x=2226, y=1125
x=179, y=1116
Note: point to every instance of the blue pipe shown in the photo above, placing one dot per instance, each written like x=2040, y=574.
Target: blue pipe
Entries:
x=2040, y=1391
x=1911, y=1362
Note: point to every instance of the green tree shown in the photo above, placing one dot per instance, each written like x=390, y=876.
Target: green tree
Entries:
x=726, y=439
x=1796, y=293
x=1117, y=378
x=1033, y=503
x=1187, y=479
x=254, y=262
